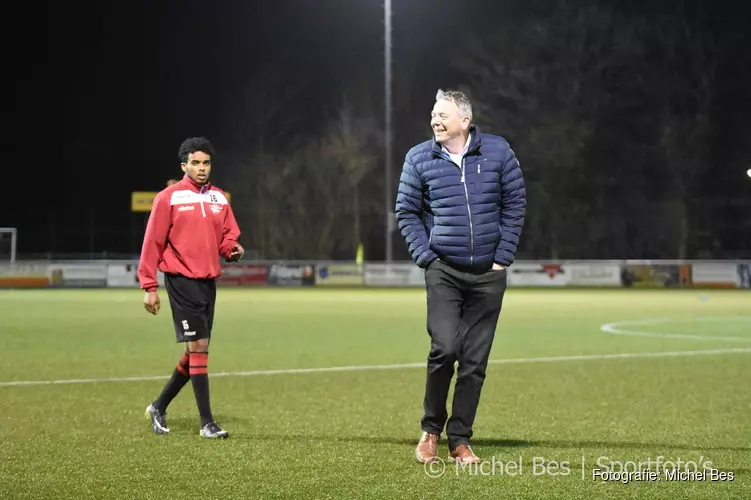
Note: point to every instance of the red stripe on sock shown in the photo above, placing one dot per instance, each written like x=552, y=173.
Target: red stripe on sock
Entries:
x=199, y=362
x=182, y=365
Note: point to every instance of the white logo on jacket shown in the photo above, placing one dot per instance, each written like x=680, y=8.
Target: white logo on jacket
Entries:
x=185, y=197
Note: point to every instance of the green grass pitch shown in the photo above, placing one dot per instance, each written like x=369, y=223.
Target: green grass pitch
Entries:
x=669, y=379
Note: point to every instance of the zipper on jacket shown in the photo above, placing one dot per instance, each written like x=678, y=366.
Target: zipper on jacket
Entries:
x=202, y=209
x=471, y=226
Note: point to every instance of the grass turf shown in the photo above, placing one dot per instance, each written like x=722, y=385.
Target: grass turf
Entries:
x=351, y=433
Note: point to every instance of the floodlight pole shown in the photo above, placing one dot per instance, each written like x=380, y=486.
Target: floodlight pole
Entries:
x=388, y=163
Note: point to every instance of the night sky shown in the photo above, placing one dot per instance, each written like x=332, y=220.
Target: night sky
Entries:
x=104, y=92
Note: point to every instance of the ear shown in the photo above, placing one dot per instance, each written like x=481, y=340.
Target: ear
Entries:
x=182, y=166
x=465, y=123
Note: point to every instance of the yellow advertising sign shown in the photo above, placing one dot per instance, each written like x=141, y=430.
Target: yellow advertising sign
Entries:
x=142, y=201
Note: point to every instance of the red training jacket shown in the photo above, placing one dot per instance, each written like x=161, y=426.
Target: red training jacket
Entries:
x=189, y=227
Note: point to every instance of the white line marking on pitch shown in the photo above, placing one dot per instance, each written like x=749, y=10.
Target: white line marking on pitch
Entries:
x=553, y=359
x=617, y=329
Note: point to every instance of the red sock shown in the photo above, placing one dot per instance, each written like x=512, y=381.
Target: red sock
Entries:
x=183, y=364
x=199, y=363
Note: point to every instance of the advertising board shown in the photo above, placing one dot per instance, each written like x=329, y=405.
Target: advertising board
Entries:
x=593, y=274
x=399, y=274
x=339, y=274
x=243, y=275
x=79, y=275
x=523, y=274
x=24, y=275
x=291, y=275
x=715, y=275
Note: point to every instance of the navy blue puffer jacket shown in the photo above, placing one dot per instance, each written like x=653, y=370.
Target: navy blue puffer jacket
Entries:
x=469, y=216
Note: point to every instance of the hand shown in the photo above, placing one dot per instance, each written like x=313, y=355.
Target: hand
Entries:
x=498, y=267
x=237, y=253
x=151, y=302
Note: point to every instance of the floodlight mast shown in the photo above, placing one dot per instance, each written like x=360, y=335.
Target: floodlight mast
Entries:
x=388, y=200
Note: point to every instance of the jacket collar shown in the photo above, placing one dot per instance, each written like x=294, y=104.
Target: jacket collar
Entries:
x=189, y=183
x=476, y=134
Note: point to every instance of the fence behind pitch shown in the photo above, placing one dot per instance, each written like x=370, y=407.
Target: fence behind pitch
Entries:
x=626, y=273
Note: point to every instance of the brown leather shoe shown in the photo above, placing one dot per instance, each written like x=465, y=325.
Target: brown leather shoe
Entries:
x=427, y=448
x=464, y=455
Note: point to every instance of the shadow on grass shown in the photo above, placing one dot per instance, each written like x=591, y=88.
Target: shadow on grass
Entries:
x=242, y=429
x=484, y=442
x=554, y=443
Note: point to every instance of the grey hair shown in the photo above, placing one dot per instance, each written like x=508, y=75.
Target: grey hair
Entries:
x=458, y=98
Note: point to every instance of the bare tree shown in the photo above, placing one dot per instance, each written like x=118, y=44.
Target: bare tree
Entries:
x=265, y=112
x=540, y=84
x=260, y=122
x=684, y=83
x=347, y=147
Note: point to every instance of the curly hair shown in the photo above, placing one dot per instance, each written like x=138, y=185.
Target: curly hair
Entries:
x=194, y=144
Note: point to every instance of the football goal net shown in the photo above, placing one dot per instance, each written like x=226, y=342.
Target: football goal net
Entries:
x=8, y=242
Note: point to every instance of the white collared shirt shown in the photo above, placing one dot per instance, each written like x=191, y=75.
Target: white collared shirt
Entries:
x=457, y=158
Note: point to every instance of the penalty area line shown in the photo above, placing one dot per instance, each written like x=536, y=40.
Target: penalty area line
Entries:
x=401, y=366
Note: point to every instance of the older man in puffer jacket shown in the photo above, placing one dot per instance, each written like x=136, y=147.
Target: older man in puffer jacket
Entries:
x=460, y=207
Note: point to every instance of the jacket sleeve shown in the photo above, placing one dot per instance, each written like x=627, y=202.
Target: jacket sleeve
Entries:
x=409, y=213
x=230, y=233
x=154, y=242
x=513, y=210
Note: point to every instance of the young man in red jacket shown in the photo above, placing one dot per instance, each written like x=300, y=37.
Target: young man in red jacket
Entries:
x=191, y=224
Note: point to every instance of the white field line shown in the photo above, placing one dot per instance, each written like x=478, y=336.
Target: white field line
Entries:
x=553, y=359
x=622, y=328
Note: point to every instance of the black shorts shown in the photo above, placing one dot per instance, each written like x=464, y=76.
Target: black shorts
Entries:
x=192, y=302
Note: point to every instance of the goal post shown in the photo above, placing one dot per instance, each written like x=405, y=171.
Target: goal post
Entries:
x=8, y=245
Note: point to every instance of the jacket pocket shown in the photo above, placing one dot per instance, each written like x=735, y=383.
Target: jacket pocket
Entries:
x=430, y=237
